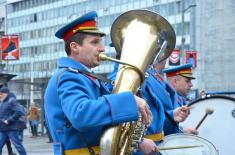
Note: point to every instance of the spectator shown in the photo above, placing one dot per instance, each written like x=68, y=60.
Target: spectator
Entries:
x=22, y=120
x=9, y=114
x=33, y=118
x=8, y=143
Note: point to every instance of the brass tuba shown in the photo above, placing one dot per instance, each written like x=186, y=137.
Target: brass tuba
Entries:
x=139, y=35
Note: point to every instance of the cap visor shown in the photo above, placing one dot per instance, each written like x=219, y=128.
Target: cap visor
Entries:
x=93, y=32
x=188, y=76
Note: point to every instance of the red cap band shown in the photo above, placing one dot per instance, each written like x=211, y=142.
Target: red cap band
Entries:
x=183, y=71
x=88, y=25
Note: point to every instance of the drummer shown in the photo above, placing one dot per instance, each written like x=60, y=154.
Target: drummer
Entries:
x=179, y=79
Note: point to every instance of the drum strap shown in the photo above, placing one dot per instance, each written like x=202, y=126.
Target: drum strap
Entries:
x=97, y=76
x=173, y=122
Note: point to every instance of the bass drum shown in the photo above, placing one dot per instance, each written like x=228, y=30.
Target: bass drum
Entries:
x=219, y=127
x=174, y=140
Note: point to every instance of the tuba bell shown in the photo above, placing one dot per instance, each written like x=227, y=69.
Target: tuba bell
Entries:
x=139, y=35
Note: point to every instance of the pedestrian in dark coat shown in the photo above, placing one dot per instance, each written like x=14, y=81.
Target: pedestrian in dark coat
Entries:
x=10, y=112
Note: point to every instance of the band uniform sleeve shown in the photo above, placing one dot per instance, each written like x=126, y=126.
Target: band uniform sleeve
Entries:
x=86, y=108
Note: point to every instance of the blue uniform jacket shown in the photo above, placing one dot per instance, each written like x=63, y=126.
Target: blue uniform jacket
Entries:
x=150, y=90
x=166, y=97
x=149, y=94
x=168, y=127
x=177, y=101
x=78, y=107
x=153, y=90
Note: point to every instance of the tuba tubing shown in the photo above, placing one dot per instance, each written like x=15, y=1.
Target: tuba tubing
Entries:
x=138, y=36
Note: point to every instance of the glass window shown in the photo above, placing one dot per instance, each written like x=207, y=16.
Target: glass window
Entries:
x=178, y=29
x=118, y=9
x=112, y=3
x=187, y=3
x=137, y=4
x=44, y=34
x=112, y=10
x=124, y=7
x=39, y=15
x=31, y=35
x=35, y=17
x=31, y=4
x=143, y=4
x=172, y=8
x=149, y=3
x=27, y=4
x=163, y=10
x=21, y=5
x=186, y=27
x=130, y=6
x=178, y=8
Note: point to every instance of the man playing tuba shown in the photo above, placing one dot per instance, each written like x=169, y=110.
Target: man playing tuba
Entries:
x=78, y=107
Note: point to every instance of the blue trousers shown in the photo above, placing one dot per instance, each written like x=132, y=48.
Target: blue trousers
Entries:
x=14, y=137
x=34, y=127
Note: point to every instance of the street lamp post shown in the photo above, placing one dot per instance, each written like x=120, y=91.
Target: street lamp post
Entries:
x=183, y=29
x=32, y=81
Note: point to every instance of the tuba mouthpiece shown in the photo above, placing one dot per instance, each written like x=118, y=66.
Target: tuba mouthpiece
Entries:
x=103, y=56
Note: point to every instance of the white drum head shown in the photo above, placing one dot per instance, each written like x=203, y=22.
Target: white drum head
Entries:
x=219, y=127
x=206, y=148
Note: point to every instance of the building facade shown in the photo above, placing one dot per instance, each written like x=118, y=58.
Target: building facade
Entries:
x=36, y=21
x=215, y=38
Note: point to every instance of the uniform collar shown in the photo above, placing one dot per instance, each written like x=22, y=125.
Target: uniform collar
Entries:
x=67, y=62
x=155, y=73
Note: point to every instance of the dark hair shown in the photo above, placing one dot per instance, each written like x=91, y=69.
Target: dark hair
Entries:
x=78, y=38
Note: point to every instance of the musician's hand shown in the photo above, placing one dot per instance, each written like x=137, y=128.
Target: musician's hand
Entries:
x=189, y=130
x=181, y=113
x=144, y=110
x=148, y=147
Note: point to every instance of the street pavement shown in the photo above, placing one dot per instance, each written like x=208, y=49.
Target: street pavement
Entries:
x=34, y=146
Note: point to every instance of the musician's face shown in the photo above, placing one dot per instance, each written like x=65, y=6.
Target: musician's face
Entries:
x=2, y=96
x=183, y=85
x=88, y=52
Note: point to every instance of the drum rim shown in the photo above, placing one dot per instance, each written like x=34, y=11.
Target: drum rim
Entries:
x=212, y=97
x=191, y=135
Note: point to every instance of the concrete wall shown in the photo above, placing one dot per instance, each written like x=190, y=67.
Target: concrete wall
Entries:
x=215, y=42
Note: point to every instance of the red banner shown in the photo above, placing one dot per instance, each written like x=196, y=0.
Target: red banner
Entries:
x=174, y=58
x=191, y=58
x=10, y=47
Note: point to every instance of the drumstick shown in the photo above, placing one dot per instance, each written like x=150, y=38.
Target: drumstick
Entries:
x=179, y=147
x=209, y=111
x=186, y=108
